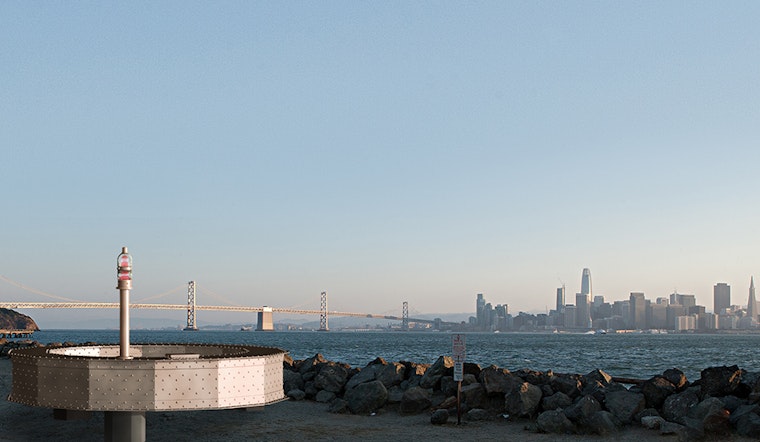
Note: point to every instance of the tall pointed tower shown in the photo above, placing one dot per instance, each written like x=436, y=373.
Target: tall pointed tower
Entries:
x=752, y=302
x=586, y=282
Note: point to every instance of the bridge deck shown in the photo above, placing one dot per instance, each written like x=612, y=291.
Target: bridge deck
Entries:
x=229, y=308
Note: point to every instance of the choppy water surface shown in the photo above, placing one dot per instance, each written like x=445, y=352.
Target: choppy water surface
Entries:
x=626, y=355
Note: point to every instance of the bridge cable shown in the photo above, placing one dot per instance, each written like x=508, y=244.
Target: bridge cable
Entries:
x=140, y=301
x=39, y=292
x=218, y=297
x=310, y=303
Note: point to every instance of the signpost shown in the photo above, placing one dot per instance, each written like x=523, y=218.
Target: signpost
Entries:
x=459, y=353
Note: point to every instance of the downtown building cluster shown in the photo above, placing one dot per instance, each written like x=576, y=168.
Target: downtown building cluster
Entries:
x=676, y=312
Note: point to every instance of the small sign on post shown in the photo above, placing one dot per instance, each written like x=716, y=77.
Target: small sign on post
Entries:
x=459, y=352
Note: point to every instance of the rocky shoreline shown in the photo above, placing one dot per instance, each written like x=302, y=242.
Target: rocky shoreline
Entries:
x=724, y=402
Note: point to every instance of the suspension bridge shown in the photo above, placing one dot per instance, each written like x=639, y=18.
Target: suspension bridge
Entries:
x=264, y=313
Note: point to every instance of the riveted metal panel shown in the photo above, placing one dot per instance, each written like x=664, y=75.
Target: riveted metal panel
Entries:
x=273, y=391
x=62, y=383
x=163, y=377
x=241, y=383
x=25, y=379
x=186, y=384
x=119, y=385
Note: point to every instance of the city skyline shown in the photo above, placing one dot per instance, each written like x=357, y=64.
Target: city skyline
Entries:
x=583, y=314
x=383, y=152
x=678, y=312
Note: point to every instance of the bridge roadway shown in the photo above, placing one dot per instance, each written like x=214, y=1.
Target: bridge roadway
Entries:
x=26, y=305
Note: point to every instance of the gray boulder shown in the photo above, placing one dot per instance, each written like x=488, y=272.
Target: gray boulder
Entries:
x=468, y=379
x=534, y=377
x=570, y=384
x=624, y=404
x=645, y=412
x=296, y=394
x=439, y=417
x=652, y=422
x=471, y=368
x=415, y=400
x=748, y=425
x=308, y=364
x=433, y=375
x=742, y=410
x=547, y=390
x=413, y=368
x=449, y=386
x=554, y=421
x=523, y=401
x=598, y=376
x=711, y=416
x=367, y=397
x=602, y=423
x=291, y=380
x=556, y=401
x=449, y=403
x=720, y=381
x=324, y=396
x=310, y=390
x=676, y=377
x=752, y=380
x=391, y=374
x=677, y=406
x=667, y=428
x=583, y=409
x=497, y=381
x=596, y=389
x=474, y=395
x=731, y=403
x=395, y=394
x=338, y=406
x=367, y=374
x=331, y=377
x=477, y=414
x=656, y=390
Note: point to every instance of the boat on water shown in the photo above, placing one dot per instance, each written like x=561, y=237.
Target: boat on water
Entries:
x=246, y=328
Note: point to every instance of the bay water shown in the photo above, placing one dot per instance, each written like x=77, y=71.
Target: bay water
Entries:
x=625, y=355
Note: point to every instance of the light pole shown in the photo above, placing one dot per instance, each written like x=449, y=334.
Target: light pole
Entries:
x=124, y=284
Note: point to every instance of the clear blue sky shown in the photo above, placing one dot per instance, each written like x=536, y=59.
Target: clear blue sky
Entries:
x=382, y=151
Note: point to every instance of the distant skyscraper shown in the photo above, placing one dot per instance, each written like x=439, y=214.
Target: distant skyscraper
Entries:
x=582, y=310
x=586, y=282
x=570, y=316
x=721, y=297
x=480, y=309
x=752, y=302
x=684, y=300
x=561, y=299
x=638, y=311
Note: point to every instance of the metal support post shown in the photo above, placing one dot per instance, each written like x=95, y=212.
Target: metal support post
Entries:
x=459, y=402
x=124, y=426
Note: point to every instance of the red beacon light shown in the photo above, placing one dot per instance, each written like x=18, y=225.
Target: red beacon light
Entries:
x=124, y=266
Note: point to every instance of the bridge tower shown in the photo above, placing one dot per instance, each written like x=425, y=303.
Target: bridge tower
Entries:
x=323, y=312
x=405, y=316
x=265, y=322
x=191, y=306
